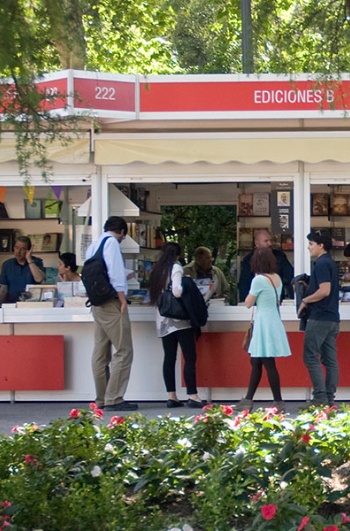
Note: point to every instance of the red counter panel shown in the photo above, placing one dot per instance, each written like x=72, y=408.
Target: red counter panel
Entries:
x=221, y=361
x=31, y=363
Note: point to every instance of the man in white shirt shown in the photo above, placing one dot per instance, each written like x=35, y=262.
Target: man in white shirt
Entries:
x=111, y=371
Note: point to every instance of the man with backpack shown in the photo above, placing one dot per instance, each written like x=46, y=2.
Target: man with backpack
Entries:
x=111, y=371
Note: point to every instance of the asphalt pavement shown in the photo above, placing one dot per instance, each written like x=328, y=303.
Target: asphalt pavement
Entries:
x=42, y=413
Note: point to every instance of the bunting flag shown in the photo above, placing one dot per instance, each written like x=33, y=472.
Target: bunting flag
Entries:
x=57, y=191
x=3, y=190
x=29, y=193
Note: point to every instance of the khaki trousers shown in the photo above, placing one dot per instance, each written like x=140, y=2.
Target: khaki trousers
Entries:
x=111, y=371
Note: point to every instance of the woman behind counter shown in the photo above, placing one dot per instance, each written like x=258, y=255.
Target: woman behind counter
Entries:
x=67, y=268
x=173, y=331
x=269, y=339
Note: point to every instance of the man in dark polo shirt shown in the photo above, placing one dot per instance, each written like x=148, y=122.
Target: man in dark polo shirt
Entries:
x=322, y=302
x=19, y=271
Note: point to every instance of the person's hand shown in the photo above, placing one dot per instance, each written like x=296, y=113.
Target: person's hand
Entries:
x=29, y=254
x=301, y=308
x=123, y=305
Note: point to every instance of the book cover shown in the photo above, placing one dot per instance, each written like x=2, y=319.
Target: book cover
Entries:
x=32, y=210
x=287, y=243
x=245, y=204
x=319, y=204
x=52, y=208
x=338, y=237
x=339, y=205
x=261, y=204
x=245, y=242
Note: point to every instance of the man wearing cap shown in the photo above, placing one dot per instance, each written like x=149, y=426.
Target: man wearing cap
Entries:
x=322, y=302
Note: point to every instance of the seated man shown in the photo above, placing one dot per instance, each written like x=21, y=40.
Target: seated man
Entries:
x=284, y=268
x=202, y=267
x=19, y=271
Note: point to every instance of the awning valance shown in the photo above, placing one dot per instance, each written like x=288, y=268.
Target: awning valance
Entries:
x=248, y=149
x=77, y=151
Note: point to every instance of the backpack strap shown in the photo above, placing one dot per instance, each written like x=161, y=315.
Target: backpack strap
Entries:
x=99, y=252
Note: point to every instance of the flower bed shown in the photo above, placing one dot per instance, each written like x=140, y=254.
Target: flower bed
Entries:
x=215, y=472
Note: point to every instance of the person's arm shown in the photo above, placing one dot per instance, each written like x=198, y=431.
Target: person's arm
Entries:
x=249, y=300
x=286, y=270
x=3, y=293
x=116, y=271
x=176, y=279
x=322, y=292
x=38, y=274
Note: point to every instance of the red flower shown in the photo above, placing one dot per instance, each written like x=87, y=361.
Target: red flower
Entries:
x=98, y=413
x=117, y=420
x=92, y=406
x=331, y=528
x=8, y=504
x=74, y=413
x=306, y=438
x=227, y=410
x=207, y=406
x=303, y=523
x=345, y=518
x=268, y=511
x=198, y=418
x=257, y=495
x=31, y=459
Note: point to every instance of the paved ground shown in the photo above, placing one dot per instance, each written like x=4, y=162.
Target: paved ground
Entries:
x=44, y=412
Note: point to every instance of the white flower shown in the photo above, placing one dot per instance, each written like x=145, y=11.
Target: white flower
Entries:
x=174, y=529
x=96, y=471
x=184, y=442
x=109, y=448
x=205, y=457
x=187, y=527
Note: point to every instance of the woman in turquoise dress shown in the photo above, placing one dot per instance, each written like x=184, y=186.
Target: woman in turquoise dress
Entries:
x=269, y=339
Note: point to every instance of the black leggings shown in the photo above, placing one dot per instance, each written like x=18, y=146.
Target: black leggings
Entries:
x=188, y=346
x=272, y=375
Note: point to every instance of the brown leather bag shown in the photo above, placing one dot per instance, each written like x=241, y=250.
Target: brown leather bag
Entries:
x=247, y=337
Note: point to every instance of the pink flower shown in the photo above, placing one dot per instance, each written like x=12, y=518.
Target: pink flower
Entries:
x=331, y=528
x=31, y=460
x=207, y=406
x=227, y=410
x=74, y=413
x=257, y=495
x=15, y=429
x=268, y=511
x=345, y=518
x=198, y=418
x=306, y=438
x=117, y=420
x=303, y=523
x=98, y=413
x=8, y=504
x=92, y=406
x=270, y=412
x=245, y=414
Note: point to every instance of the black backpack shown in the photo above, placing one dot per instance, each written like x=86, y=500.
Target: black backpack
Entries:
x=96, y=280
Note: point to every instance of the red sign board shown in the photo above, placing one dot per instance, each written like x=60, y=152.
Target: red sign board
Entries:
x=104, y=94
x=249, y=96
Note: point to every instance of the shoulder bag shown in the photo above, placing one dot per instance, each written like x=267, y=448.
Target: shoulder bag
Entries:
x=248, y=335
x=171, y=306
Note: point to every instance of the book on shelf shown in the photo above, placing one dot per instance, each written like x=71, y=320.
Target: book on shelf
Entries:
x=319, y=204
x=261, y=204
x=32, y=210
x=52, y=208
x=48, y=242
x=340, y=205
x=245, y=241
x=338, y=237
x=245, y=204
x=287, y=242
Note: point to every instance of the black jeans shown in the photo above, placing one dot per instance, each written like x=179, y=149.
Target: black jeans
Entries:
x=187, y=343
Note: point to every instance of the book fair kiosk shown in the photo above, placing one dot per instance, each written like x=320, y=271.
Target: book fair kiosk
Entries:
x=275, y=147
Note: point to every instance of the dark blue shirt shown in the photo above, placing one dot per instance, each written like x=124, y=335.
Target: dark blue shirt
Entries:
x=325, y=270
x=16, y=276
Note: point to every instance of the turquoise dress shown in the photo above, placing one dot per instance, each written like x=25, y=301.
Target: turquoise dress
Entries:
x=269, y=338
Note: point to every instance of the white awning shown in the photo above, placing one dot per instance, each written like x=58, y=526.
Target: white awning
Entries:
x=220, y=148
x=77, y=151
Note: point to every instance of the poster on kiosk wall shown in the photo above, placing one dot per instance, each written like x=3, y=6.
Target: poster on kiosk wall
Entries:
x=282, y=209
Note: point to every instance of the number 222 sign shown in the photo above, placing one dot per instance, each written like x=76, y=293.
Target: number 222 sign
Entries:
x=104, y=94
